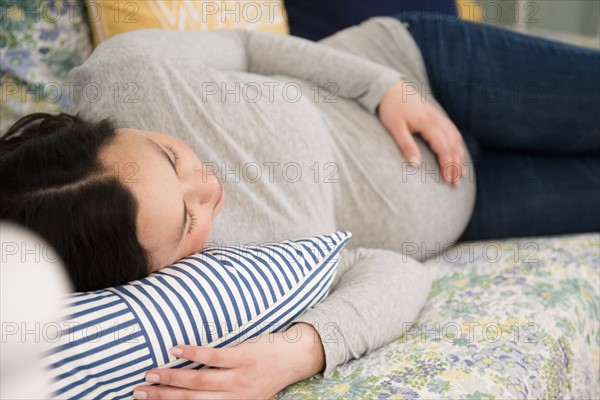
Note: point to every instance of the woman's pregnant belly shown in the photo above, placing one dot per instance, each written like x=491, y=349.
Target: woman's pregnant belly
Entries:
x=386, y=202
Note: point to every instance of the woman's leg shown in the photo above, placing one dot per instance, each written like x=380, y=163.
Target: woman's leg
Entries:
x=511, y=91
x=528, y=194
x=528, y=109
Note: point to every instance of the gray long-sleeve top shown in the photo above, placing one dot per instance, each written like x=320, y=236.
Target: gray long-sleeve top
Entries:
x=290, y=127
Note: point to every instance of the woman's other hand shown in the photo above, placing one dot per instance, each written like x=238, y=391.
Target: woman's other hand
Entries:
x=256, y=369
x=404, y=112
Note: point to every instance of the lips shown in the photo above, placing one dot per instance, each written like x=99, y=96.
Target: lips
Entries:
x=219, y=193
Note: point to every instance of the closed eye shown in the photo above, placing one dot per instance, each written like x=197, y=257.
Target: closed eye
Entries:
x=192, y=222
x=192, y=216
x=172, y=150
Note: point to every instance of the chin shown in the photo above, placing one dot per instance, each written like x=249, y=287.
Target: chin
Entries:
x=199, y=248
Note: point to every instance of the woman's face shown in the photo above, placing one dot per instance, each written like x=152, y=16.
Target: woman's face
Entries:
x=178, y=200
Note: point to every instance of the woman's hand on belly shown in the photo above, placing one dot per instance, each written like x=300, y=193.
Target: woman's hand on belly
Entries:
x=256, y=369
x=404, y=112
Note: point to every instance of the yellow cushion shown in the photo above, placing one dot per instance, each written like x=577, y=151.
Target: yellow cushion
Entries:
x=469, y=10
x=109, y=18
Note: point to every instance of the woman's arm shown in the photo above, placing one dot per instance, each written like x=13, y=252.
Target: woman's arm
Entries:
x=243, y=50
x=372, y=303
x=352, y=76
x=374, y=297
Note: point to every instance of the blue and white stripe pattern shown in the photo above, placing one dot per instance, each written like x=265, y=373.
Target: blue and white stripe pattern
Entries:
x=219, y=297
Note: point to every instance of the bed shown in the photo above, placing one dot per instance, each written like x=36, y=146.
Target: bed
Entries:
x=516, y=318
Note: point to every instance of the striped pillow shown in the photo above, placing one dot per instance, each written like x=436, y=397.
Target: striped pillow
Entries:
x=219, y=297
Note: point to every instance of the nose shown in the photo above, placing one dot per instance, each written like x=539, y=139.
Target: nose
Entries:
x=200, y=185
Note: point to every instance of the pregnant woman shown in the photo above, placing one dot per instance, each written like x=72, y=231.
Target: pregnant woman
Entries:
x=410, y=134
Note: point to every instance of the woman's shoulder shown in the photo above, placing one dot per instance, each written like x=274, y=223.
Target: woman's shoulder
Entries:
x=143, y=45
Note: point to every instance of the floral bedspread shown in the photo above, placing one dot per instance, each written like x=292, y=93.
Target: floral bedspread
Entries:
x=517, y=318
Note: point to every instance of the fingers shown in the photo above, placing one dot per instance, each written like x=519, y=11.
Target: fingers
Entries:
x=439, y=131
x=453, y=171
x=191, y=384
x=437, y=138
x=170, y=393
x=447, y=142
x=457, y=143
x=407, y=145
x=205, y=379
x=226, y=357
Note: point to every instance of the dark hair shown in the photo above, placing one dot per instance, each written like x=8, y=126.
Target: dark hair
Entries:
x=52, y=182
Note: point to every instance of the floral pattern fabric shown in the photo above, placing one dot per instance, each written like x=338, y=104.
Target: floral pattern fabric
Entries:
x=40, y=42
x=510, y=319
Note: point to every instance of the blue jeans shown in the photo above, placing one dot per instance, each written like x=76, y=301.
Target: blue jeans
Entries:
x=528, y=110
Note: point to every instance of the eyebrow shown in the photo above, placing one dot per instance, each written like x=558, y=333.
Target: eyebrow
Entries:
x=163, y=153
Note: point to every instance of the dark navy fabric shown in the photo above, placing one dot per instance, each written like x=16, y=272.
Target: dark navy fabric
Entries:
x=317, y=19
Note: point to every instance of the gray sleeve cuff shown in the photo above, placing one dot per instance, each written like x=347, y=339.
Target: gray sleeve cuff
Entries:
x=371, y=98
x=331, y=339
